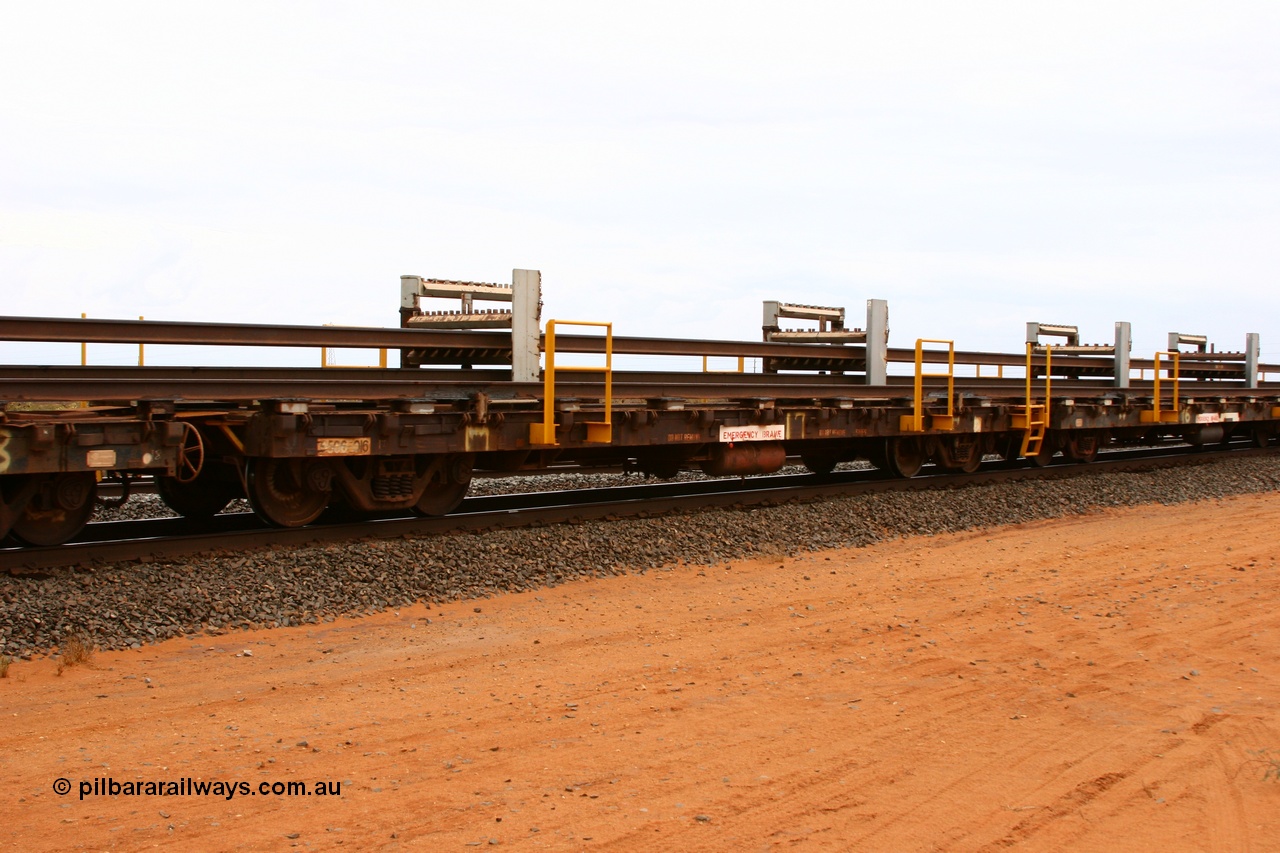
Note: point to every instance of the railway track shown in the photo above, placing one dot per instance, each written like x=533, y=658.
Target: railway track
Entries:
x=167, y=538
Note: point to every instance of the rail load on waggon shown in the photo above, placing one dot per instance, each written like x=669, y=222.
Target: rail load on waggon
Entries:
x=486, y=385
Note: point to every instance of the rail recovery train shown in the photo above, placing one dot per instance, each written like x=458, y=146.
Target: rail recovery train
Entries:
x=487, y=385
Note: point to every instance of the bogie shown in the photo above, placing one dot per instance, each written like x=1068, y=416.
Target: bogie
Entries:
x=287, y=492
x=57, y=510
x=905, y=456
x=448, y=485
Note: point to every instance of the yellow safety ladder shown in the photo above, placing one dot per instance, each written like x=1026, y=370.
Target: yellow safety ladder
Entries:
x=1034, y=418
x=914, y=422
x=1157, y=414
x=598, y=432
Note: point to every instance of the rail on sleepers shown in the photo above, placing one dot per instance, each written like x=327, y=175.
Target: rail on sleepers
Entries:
x=482, y=389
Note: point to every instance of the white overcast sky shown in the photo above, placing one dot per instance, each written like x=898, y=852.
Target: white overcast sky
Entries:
x=666, y=166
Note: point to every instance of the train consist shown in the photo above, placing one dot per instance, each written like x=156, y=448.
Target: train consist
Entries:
x=480, y=387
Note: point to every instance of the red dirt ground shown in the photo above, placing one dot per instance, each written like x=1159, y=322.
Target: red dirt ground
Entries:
x=1107, y=682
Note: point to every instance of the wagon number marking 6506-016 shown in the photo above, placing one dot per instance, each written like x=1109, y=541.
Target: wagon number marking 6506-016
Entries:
x=343, y=446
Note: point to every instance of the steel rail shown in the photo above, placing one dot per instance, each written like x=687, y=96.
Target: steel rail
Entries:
x=101, y=331
x=652, y=386
x=34, y=383
x=441, y=377
x=679, y=387
x=435, y=377
x=107, y=373
x=202, y=384
x=180, y=333
x=539, y=508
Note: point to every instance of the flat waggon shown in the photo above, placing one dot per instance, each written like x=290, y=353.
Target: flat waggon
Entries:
x=474, y=387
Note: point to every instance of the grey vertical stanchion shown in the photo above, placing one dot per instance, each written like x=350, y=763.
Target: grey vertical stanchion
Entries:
x=772, y=315
x=877, y=342
x=771, y=324
x=410, y=287
x=526, y=331
x=1122, y=354
x=1252, y=345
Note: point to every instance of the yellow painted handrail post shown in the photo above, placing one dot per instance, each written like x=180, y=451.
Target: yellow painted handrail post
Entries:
x=1030, y=346
x=1155, y=379
x=600, y=432
x=951, y=380
x=742, y=365
x=141, y=360
x=549, y=388
x=1174, y=370
x=1048, y=375
x=917, y=419
x=1034, y=420
x=608, y=380
x=84, y=358
x=914, y=422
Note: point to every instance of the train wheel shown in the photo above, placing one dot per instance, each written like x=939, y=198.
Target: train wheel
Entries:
x=11, y=488
x=199, y=498
x=971, y=465
x=904, y=456
x=962, y=453
x=1044, y=456
x=1083, y=448
x=284, y=493
x=1261, y=438
x=819, y=463
x=447, y=487
x=59, y=509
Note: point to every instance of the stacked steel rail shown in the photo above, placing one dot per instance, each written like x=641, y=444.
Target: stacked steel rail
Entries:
x=489, y=389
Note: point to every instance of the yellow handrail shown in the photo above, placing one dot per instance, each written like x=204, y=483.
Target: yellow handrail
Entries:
x=600, y=432
x=84, y=348
x=1158, y=414
x=1034, y=419
x=977, y=371
x=1048, y=373
x=324, y=358
x=914, y=422
x=742, y=366
x=382, y=361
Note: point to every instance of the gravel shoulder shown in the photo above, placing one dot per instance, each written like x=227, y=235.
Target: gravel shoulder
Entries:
x=130, y=605
x=1103, y=680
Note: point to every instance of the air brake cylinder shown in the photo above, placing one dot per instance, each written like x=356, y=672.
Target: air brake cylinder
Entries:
x=739, y=460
